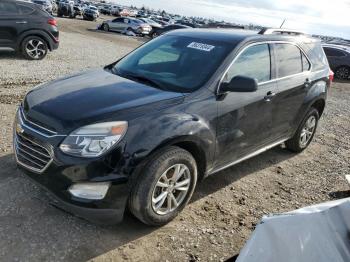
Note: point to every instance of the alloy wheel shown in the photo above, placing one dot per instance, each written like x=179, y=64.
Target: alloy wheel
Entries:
x=342, y=73
x=35, y=48
x=171, y=189
x=307, y=131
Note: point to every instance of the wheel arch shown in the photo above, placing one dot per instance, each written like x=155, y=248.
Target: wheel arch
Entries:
x=191, y=144
x=320, y=105
x=45, y=36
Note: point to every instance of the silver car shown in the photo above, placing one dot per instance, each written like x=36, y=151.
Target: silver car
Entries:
x=125, y=24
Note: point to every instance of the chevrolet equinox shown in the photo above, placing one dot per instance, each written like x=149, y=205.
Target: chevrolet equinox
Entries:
x=141, y=132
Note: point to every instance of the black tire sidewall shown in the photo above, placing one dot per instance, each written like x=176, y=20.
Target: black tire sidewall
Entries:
x=23, y=46
x=141, y=204
x=294, y=143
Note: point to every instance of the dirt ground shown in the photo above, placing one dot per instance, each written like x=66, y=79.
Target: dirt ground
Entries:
x=225, y=207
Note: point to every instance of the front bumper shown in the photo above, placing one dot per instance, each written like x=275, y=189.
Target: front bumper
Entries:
x=37, y=154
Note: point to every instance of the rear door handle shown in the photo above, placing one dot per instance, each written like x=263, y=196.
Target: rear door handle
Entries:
x=269, y=96
x=21, y=22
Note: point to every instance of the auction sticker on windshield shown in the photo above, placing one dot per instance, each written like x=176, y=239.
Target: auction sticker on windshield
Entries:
x=200, y=46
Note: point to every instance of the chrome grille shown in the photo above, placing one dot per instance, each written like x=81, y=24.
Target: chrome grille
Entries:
x=31, y=154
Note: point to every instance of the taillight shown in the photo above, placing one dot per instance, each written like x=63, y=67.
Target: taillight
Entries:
x=52, y=22
x=331, y=75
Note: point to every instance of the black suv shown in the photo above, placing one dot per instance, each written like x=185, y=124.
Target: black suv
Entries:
x=27, y=28
x=142, y=131
x=339, y=60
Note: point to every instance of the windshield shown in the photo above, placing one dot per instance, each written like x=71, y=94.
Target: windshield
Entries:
x=175, y=63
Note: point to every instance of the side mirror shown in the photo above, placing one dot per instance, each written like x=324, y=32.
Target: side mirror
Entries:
x=240, y=84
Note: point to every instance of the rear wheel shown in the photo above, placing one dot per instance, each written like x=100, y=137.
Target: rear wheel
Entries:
x=305, y=132
x=155, y=34
x=342, y=72
x=164, y=187
x=34, y=48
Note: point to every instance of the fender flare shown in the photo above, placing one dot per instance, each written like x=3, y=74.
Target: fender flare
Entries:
x=36, y=32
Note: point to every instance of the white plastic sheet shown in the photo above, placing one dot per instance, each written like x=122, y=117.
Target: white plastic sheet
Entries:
x=319, y=233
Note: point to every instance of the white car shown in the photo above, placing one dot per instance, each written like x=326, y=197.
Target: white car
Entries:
x=127, y=24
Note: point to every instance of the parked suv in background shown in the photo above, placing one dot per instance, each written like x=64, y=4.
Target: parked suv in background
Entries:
x=142, y=131
x=28, y=29
x=339, y=60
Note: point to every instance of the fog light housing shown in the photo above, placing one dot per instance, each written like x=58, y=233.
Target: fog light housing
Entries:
x=91, y=191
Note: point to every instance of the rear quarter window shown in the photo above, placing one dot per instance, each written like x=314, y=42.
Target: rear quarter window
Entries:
x=317, y=55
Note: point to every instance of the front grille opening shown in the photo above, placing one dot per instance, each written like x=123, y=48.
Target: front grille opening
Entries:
x=31, y=154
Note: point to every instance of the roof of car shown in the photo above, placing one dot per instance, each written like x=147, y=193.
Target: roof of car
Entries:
x=339, y=47
x=238, y=35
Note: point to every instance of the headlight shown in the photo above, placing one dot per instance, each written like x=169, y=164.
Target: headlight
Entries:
x=94, y=140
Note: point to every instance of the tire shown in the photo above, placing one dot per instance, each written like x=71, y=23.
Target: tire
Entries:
x=38, y=46
x=106, y=27
x=342, y=72
x=304, y=135
x=155, y=35
x=160, y=170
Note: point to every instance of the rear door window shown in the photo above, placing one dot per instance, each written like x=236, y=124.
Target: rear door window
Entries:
x=7, y=8
x=254, y=62
x=290, y=60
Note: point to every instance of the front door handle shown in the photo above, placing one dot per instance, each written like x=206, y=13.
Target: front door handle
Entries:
x=21, y=22
x=269, y=96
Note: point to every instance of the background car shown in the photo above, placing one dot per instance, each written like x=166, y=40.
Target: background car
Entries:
x=46, y=5
x=90, y=14
x=124, y=24
x=93, y=8
x=115, y=10
x=106, y=10
x=152, y=23
x=339, y=60
x=34, y=33
x=66, y=8
x=159, y=31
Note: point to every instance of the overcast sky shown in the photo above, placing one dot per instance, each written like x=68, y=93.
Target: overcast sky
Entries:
x=313, y=16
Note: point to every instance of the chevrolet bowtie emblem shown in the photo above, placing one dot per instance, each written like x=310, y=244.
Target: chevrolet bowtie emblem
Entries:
x=19, y=129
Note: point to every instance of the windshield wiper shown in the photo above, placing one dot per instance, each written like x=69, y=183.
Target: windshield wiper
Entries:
x=137, y=78
x=143, y=79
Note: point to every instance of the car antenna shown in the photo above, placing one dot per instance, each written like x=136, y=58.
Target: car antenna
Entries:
x=283, y=23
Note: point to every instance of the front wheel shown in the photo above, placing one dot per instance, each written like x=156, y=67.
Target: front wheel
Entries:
x=305, y=133
x=164, y=187
x=106, y=27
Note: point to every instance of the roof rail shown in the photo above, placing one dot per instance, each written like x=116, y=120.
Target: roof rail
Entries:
x=270, y=31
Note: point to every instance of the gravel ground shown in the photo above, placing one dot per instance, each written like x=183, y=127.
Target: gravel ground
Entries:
x=224, y=209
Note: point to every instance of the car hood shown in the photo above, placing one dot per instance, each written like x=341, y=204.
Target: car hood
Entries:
x=91, y=97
